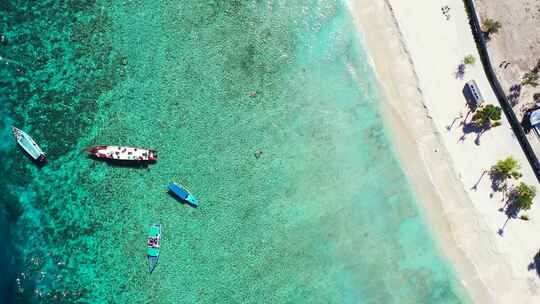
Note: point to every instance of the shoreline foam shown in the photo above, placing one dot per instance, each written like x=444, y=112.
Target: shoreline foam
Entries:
x=430, y=160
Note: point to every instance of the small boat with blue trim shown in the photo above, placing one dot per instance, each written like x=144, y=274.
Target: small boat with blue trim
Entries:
x=182, y=193
x=154, y=241
x=29, y=145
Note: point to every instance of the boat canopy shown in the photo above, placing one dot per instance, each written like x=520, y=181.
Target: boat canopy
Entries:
x=178, y=191
x=154, y=230
x=475, y=92
x=153, y=252
x=28, y=144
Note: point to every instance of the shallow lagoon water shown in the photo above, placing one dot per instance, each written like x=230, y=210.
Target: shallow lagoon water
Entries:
x=323, y=215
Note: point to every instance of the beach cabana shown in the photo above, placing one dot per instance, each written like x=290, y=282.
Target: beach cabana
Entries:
x=474, y=93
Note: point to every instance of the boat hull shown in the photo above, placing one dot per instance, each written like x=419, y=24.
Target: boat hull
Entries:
x=152, y=263
x=123, y=153
x=153, y=245
x=28, y=144
x=183, y=194
x=42, y=159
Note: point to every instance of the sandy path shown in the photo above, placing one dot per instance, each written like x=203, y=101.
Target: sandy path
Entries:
x=415, y=52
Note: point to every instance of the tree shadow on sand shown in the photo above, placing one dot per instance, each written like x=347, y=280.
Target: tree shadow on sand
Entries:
x=535, y=264
x=511, y=211
x=468, y=125
x=498, y=182
x=460, y=71
x=475, y=186
x=515, y=93
x=512, y=207
x=472, y=128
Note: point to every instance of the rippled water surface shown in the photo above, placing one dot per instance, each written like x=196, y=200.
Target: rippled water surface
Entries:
x=266, y=110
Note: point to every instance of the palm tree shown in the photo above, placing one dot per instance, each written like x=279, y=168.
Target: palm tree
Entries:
x=487, y=116
x=506, y=168
x=522, y=196
x=491, y=27
x=469, y=60
x=530, y=78
x=502, y=171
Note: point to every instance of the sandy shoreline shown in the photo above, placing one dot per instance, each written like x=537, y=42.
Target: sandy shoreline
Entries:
x=415, y=52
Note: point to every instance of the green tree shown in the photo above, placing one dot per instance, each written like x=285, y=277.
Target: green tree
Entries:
x=506, y=168
x=487, y=116
x=522, y=196
x=491, y=26
x=531, y=79
x=469, y=60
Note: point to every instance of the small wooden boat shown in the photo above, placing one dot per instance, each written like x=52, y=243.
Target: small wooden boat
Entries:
x=29, y=145
x=154, y=241
x=123, y=153
x=183, y=194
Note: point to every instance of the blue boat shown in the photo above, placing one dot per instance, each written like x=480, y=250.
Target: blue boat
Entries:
x=154, y=242
x=183, y=194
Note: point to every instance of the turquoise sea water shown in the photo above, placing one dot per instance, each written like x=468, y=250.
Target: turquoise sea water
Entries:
x=324, y=215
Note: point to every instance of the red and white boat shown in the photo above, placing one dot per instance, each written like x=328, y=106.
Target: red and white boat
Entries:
x=123, y=153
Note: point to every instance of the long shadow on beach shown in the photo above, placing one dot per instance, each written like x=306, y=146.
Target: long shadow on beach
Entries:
x=511, y=211
x=475, y=186
x=498, y=182
x=469, y=99
x=535, y=264
x=468, y=128
x=514, y=94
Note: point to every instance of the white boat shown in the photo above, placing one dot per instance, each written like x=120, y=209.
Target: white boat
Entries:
x=123, y=153
x=29, y=145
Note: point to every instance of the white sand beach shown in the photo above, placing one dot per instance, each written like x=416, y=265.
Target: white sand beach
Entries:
x=416, y=51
